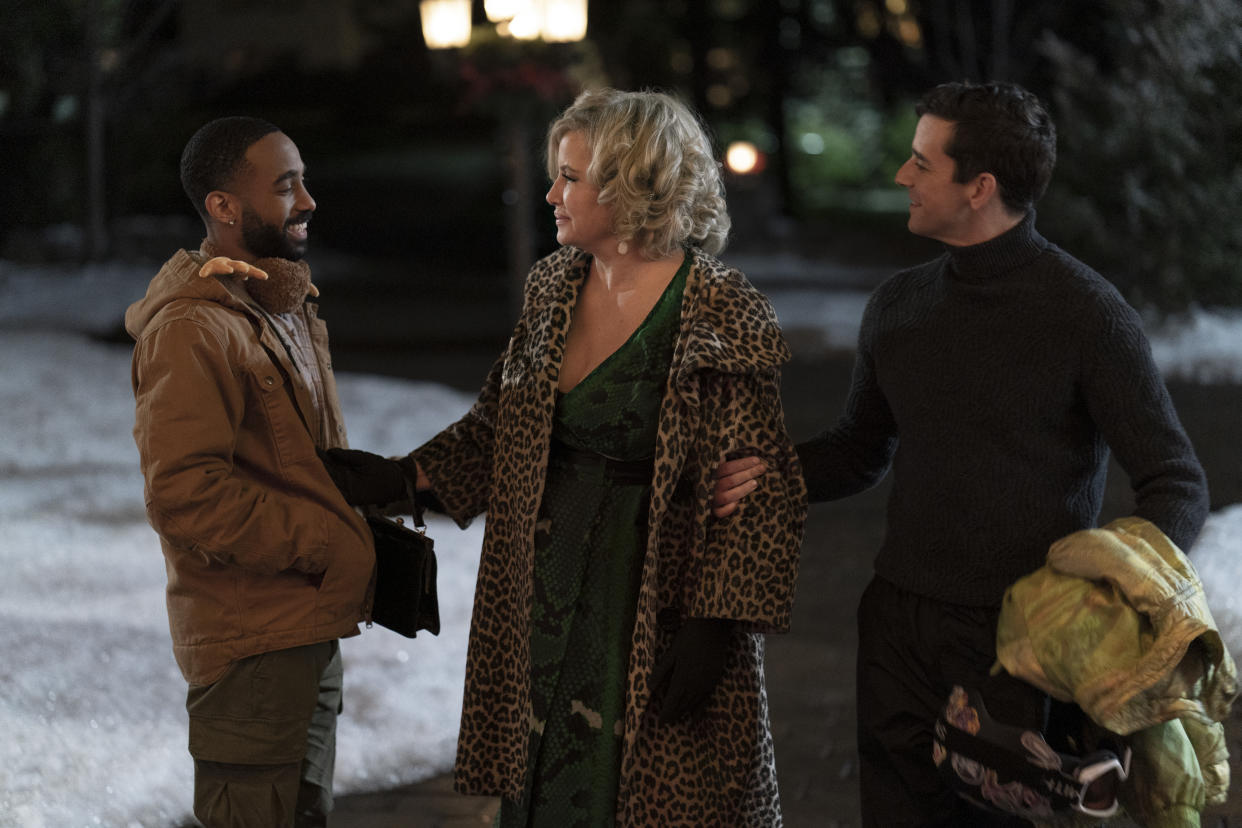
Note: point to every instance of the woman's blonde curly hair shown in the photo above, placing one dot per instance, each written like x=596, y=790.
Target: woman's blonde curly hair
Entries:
x=652, y=161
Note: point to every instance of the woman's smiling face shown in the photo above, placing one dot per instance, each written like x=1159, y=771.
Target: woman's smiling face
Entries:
x=581, y=220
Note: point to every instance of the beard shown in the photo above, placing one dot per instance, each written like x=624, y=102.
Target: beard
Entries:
x=267, y=241
x=288, y=280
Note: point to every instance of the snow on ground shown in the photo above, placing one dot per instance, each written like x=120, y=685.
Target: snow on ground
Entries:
x=91, y=702
x=92, y=705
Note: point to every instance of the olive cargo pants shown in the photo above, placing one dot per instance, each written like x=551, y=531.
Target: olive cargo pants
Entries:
x=263, y=738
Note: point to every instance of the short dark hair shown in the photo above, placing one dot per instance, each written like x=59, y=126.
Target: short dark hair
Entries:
x=999, y=128
x=217, y=153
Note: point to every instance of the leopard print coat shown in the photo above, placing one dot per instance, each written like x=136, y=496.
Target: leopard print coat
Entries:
x=722, y=396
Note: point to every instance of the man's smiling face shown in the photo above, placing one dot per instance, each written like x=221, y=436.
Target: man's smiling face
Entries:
x=276, y=206
x=939, y=206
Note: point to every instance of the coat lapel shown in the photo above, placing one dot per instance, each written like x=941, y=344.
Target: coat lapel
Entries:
x=551, y=326
x=299, y=393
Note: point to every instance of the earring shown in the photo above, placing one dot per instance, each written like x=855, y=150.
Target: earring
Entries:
x=232, y=222
x=623, y=247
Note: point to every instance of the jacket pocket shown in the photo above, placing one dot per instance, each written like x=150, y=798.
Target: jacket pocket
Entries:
x=289, y=432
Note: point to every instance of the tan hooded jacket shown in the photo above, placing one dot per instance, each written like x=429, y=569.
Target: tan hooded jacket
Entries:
x=261, y=550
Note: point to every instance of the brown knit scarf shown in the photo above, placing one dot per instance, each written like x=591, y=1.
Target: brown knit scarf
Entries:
x=285, y=288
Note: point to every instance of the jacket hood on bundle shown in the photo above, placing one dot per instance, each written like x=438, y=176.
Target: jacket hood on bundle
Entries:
x=1117, y=621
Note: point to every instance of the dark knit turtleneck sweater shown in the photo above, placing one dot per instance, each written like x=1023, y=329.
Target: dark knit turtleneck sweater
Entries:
x=994, y=380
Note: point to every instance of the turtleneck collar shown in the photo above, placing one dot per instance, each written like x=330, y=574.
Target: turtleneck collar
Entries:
x=994, y=257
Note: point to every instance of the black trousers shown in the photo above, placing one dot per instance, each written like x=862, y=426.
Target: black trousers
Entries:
x=911, y=651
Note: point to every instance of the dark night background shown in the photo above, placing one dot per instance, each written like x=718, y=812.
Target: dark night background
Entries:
x=432, y=158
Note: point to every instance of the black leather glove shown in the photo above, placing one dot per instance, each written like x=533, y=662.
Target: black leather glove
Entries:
x=687, y=672
x=366, y=479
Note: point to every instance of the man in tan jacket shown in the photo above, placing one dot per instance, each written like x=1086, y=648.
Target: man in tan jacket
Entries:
x=267, y=565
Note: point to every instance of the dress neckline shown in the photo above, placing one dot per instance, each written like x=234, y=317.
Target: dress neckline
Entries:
x=678, y=278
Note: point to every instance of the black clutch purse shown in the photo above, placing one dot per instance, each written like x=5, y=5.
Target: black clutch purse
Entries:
x=405, y=577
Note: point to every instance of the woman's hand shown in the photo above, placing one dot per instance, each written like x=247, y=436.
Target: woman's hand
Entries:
x=223, y=264
x=686, y=674
x=734, y=480
x=363, y=478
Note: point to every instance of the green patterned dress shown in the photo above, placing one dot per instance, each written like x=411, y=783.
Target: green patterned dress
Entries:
x=590, y=542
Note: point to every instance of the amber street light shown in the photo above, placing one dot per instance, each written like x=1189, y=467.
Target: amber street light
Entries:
x=743, y=158
x=446, y=23
x=564, y=21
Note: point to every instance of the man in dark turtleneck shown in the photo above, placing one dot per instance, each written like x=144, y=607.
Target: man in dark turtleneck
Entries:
x=993, y=380
x=267, y=565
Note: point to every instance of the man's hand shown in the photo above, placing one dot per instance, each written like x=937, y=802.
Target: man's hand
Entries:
x=223, y=264
x=734, y=480
x=687, y=672
x=365, y=479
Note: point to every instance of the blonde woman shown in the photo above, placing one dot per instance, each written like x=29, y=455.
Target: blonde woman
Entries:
x=615, y=667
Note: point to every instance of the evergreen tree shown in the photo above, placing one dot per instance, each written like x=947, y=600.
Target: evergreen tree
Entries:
x=1148, y=186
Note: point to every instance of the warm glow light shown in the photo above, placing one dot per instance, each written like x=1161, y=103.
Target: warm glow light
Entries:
x=446, y=23
x=909, y=32
x=527, y=24
x=721, y=58
x=564, y=20
x=869, y=25
x=498, y=10
x=742, y=157
x=719, y=95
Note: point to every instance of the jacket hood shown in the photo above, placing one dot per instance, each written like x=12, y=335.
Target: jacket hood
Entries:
x=179, y=279
x=1109, y=622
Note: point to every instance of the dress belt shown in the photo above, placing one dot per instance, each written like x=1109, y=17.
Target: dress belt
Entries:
x=639, y=471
